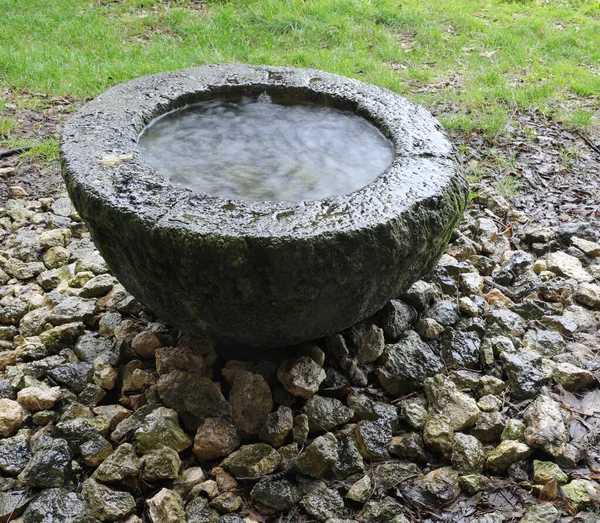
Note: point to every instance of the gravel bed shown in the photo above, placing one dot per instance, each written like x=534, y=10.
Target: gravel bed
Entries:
x=471, y=397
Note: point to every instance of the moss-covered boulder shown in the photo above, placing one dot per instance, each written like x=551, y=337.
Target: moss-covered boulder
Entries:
x=261, y=273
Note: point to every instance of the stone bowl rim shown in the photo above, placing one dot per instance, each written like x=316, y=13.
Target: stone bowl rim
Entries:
x=109, y=126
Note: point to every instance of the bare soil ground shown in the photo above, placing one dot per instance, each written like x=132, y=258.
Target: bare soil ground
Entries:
x=38, y=176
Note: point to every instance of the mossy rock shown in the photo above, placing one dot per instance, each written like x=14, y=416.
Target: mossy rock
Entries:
x=261, y=273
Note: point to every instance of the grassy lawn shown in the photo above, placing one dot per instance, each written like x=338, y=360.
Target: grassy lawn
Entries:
x=478, y=62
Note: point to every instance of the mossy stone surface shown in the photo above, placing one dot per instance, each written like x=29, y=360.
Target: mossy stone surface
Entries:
x=252, y=461
x=261, y=273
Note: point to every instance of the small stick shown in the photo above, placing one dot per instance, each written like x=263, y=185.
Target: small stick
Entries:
x=11, y=152
x=590, y=144
x=581, y=413
x=507, y=292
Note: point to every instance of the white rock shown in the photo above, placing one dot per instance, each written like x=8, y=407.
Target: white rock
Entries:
x=546, y=429
x=38, y=398
x=471, y=283
x=588, y=294
x=468, y=307
x=11, y=417
x=301, y=376
x=505, y=454
x=568, y=266
x=449, y=411
x=166, y=507
x=571, y=377
x=588, y=247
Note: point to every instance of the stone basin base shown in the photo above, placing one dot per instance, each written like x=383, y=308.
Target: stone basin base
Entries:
x=261, y=273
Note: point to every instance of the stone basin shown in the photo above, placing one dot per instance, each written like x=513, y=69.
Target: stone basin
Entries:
x=261, y=273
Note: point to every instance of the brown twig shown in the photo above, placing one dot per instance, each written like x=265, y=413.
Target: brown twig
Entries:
x=590, y=144
x=508, y=293
x=579, y=412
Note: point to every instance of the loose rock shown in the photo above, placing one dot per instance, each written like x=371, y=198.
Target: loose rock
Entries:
x=467, y=454
x=197, y=511
x=145, y=344
x=13, y=503
x=37, y=398
x=397, y=317
x=50, y=465
x=107, y=504
x=194, y=397
x=11, y=417
x=445, y=312
x=215, y=437
x=161, y=427
x=373, y=439
x=300, y=429
x=546, y=471
x=505, y=454
x=226, y=503
x=429, y=329
x=58, y=505
x=568, y=266
x=371, y=345
x=95, y=450
x=442, y=483
x=252, y=461
x=361, y=490
x=587, y=294
x=161, y=464
x=406, y=364
x=447, y=401
x=277, y=427
x=166, y=506
x=251, y=403
x=15, y=453
x=322, y=502
x=395, y=473
x=546, y=429
x=542, y=513
x=579, y=492
x=325, y=413
x=301, y=377
x=187, y=480
x=461, y=349
x=527, y=373
x=489, y=427
x=319, y=457
x=572, y=378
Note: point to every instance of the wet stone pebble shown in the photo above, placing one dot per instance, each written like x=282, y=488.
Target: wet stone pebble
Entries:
x=481, y=372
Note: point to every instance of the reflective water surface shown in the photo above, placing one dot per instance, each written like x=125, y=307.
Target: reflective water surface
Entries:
x=262, y=151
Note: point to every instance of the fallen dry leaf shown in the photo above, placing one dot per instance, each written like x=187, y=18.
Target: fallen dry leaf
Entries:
x=550, y=491
x=508, y=232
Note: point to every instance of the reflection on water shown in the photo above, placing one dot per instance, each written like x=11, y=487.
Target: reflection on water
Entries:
x=257, y=150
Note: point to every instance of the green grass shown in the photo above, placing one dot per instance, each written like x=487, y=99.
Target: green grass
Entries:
x=488, y=58
x=6, y=126
x=568, y=156
x=508, y=185
x=578, y=119
x=46, y=150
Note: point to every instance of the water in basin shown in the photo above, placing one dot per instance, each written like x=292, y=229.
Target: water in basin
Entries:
x=263, y=151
